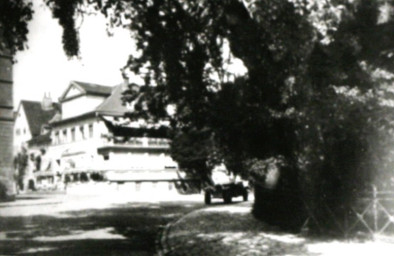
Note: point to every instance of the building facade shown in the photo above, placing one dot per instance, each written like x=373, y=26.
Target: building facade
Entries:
x=31, y=123
x=91, y=136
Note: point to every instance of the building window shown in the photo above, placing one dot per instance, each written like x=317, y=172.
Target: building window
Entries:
x=72, y=134
x=82, y=131
x=24, y=130
x=57, y=139
x=138, y=186
x=64, y=137
x=18, y=131
x=106, y=157
x=91, y=130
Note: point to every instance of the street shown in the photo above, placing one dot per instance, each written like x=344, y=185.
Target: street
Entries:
x=86, y=224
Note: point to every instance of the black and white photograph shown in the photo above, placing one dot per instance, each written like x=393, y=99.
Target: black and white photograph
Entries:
x=197, y=127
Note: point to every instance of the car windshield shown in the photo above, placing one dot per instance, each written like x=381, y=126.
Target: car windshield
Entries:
x=220, y=177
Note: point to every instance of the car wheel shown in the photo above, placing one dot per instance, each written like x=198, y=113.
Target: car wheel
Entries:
x=207, y=198
x=227, y=198
x=245, y=195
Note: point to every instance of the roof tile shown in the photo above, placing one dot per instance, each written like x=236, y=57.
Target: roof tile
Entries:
x=36, y=116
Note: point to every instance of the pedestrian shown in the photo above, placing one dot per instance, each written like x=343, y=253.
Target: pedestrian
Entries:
x=38, y=160
x=29, y=181
x=43, y=162
x=21, y=165
x=46, y=168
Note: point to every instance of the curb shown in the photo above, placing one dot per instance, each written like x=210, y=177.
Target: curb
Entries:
x=162, y=246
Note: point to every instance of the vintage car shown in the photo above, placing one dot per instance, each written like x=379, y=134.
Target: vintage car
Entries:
x=226, y=191
x=226, y=187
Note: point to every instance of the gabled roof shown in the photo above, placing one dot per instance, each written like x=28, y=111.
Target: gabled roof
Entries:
x=112, y=106
x=87, y=89
x=36, y=116
x=56, y=121
x=94, y=88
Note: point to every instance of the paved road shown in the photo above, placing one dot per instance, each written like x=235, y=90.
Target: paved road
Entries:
x=87, y=225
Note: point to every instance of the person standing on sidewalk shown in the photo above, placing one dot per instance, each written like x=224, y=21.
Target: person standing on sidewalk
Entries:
x=30, y=181
x=37, y=161
x=47, y=167
x=21, y=165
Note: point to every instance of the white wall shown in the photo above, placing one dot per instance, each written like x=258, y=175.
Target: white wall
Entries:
x=138, y=161
x=84, y=148
x=83, y=152
x=80, y=105
x=21, y=130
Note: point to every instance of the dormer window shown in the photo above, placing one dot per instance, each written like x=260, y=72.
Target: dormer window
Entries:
x=72, y=134
x=57, y=139
x=82, y=132
x=90, y=130
x=64, y=139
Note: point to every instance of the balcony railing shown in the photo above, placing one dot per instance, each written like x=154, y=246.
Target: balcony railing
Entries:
x=135, y=142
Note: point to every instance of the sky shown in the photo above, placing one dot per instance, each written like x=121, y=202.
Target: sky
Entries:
x=44, y=67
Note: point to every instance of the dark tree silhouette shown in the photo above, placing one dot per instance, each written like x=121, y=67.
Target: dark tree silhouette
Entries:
x=315, y=101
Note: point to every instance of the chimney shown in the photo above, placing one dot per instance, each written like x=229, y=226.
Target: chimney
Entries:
x=46, y=103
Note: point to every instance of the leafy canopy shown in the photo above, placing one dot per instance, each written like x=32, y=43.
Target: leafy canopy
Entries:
x=297, y=54
x=14, y=16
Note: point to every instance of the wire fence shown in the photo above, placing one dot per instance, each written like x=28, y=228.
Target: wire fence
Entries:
x=371, y=212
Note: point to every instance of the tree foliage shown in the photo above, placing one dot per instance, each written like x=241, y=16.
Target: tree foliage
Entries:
x=14, y=16
x=65, y=11
x=309, y=97
x=315, y=98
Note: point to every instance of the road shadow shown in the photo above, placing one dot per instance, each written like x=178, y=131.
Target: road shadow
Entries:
x=231, y=230
x=217, y=202
x=18, y=198
x=129, y=229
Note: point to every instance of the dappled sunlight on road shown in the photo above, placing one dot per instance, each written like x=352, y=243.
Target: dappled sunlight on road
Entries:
x=229, y=209
x=96, y=225
x=90, y=197
x=358, y=248
x=247, y=243
x=285, y=238
x=38, y=250
x=230, y=230
x=87, y=224
x=102, y=233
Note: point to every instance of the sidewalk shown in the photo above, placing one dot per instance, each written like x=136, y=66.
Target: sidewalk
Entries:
x=36, y=198
x=86, y=196
x=231, y=230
